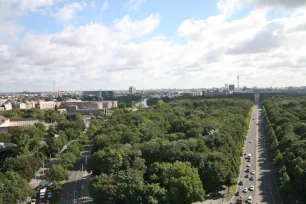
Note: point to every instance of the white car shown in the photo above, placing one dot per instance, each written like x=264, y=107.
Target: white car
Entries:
x=251, y=188
x=250, y=199
x=248, y=165
x=33, y=201
x=250, y=141
x=245, y=190
x=253, y=172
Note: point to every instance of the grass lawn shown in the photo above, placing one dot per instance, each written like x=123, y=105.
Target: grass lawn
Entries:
x=230, y=192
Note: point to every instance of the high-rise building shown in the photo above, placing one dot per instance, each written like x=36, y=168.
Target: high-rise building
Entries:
x=132, y=89
x=99, y=94
x=226, y=87
x=231, y=87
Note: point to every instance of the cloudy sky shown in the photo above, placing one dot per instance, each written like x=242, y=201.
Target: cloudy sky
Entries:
x=113, y=44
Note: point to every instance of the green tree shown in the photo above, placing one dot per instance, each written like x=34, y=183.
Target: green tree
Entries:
x=13, y=188
x=57, y=173
x=67, y=160
x=180, y=180
x=105, y=187
x=106, y=161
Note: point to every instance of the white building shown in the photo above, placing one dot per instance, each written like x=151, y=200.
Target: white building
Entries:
x=6, y=124
x=6, y=106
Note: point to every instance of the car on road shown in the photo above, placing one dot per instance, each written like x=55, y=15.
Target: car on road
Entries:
x=33, y=201
x=251, y=178
x=250, y=199
x=250, y=141
x=247, y=176
x=237, y=193
x=253, y=172
x=248, y=165
x=247, y=170
x=37, y=189
x=49, y=195
x=240, y=183
x=245, y=190
x=251, y=188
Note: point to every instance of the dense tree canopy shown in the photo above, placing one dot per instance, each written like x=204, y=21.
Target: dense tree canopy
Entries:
x=35, y=145
x=285, y=117
x=169, y=153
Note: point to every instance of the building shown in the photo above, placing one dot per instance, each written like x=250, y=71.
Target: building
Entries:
x=87, y=107
x=132, y=90
x=99, y=94
x=231, y=87
x=194, y=93
x=226, y=87
x=115, y=104
x=107, y=104
x=19, y=122
x=43, y=105
x=7, y=124
x=6, y=106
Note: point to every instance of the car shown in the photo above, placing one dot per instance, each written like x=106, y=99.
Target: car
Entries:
x=33, y=201
x=251, y=188
x=251, y=178
x=250, y=199
x=250, y=141
x=248, y=165
x=247, y=170
x=253, y=172
x=245, y=190
x=240, y=183
x=49, y=195
x=237, y=193
x=247, y=176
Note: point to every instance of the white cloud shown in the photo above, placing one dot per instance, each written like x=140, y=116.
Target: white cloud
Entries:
x=11, y=10
x=68, y=11
x=229, y=7
x=210, y=52
x=129, y=28
x=135, y=4
x=105, y=5
x=279, y=3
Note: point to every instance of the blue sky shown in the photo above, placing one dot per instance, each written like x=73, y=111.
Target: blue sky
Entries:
x=100, y=44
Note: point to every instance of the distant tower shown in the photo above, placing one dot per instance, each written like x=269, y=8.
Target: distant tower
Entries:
x=238, y=81
x=100, y=95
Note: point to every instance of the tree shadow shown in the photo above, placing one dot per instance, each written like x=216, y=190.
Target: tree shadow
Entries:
x=268, y=182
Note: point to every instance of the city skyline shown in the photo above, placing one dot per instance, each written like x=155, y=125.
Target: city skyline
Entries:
x=86, y=45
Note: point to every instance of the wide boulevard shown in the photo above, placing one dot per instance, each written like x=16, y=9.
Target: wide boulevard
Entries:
x=264, y=179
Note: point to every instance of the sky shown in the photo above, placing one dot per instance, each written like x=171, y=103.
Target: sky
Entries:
x=151, y=44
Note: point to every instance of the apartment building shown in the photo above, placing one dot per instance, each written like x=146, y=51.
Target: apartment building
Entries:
x=6, y=124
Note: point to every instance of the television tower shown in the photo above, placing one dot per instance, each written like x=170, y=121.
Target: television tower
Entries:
x=238, y=81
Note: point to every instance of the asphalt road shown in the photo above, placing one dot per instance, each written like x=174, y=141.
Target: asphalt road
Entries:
x=264, y=180
x=267, y=191
x=75, y=190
